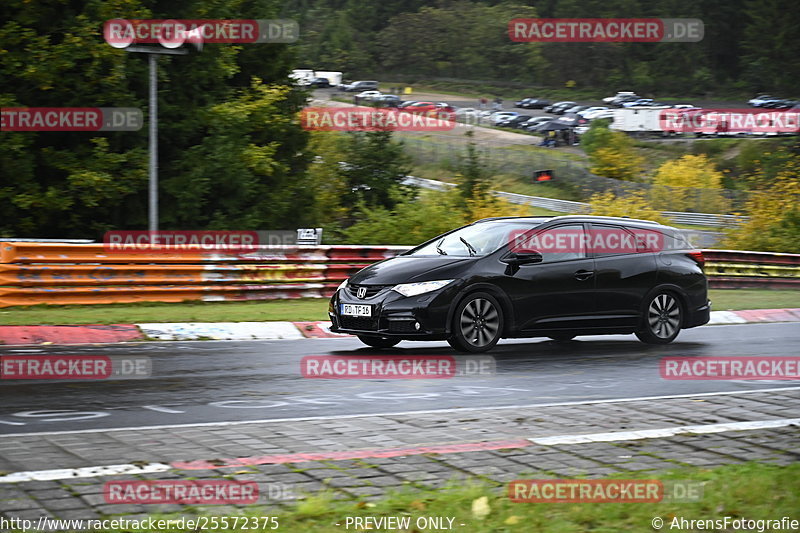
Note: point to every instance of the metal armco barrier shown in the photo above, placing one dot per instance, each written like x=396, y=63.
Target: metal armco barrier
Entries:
x=59, y=273
x=729, y=269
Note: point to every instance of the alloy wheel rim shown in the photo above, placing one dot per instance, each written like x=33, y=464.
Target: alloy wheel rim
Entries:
x=664, y=316
x=480, y=322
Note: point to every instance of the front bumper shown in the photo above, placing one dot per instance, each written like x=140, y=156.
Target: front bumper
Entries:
x=423, y=317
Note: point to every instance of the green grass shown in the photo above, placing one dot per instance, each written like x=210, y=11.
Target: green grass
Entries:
x=753, y=491
x=293, y=310
x=738, y=299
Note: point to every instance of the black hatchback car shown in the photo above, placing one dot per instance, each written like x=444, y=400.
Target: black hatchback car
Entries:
x=555, y=277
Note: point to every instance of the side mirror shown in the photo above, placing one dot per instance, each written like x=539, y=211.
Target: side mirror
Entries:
x=522, y=258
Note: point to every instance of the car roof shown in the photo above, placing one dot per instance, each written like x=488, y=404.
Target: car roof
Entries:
x=579, y=218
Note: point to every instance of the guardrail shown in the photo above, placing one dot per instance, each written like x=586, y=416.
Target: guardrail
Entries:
x=45, y=273
x=566, y=206
x=49, y=273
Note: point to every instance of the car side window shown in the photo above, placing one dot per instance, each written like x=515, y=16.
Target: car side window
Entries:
x=561, y=243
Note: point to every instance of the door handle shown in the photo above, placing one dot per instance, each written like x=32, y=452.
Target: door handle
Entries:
x=583, y=275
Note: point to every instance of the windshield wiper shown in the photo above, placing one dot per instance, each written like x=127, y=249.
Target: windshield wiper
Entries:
x=441, y=252
x=472, y=250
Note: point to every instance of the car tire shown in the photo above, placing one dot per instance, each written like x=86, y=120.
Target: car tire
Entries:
x=564, y=337
x=378, y=342
x=477, y=323
x=662, y=319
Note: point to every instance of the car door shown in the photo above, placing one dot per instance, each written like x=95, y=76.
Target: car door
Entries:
x=557, y=293
x=625, y=270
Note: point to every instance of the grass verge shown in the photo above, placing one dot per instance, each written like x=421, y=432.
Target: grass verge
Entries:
x=738, y=299
x=292, y=310
x=751, y=491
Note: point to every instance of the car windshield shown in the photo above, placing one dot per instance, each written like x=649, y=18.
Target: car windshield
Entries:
x=478, y=239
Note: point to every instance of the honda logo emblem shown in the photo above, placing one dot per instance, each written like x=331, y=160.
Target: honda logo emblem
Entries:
x=362, y=292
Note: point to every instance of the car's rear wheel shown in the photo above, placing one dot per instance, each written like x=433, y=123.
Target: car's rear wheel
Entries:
x=477, y=323
x=378, y=342
x=662, y=319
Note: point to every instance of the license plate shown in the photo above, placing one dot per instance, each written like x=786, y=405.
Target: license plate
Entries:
x=356, y=310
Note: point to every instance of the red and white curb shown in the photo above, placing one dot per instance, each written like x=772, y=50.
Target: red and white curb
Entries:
x=241, y=331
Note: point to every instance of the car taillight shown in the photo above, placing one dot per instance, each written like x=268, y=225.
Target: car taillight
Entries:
x=697, y=255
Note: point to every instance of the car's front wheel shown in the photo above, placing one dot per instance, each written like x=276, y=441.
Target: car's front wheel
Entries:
x=378, y=342
x=477, y=323
x=662, y=319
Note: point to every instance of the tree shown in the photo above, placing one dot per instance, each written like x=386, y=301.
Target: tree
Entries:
x=690, y=183
x=231, y=153
x=612, y=153
x=634, y=205
x=374, y=168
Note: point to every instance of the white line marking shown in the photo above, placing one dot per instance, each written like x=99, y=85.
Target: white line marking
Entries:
x=87, y=471
x=115, y=470
x=399, y=413
x=664, y=432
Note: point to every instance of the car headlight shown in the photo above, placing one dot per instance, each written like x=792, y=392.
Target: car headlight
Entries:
x=342, y=285
x=414, y=289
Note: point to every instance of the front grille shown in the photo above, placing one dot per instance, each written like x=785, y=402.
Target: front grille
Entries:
x=402, y=326
x=372, y=290
x=358, y=322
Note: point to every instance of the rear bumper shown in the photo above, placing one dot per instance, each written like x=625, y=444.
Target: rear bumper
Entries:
x=698, y=316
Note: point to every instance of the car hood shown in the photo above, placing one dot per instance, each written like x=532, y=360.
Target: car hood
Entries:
x=409, y=269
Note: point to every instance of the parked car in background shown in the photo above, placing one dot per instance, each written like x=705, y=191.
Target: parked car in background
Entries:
x=599, y=114
x=560, y=107
x=619, y=100
x=498, y=116
x=523, y=102
x=407, y=103
x=537, y=103
x=761, y=99
x=513, y=122
x=358, y=86
x=320, y=83
x=684, y=106
x=575, y=109
x=533, y=122
x=779, y=104
x=368, y=96
x=639, y=102
x=591, y=109
x=428, y=107
x=619, y=94
x=387, y=100
x=549, y=109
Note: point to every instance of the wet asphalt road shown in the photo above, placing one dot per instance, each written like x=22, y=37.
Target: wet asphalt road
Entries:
x=196, y=382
